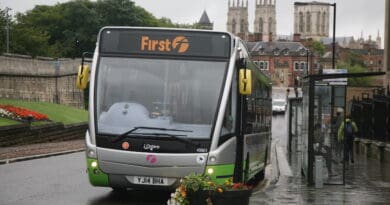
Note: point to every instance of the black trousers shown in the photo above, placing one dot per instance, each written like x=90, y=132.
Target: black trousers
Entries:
x=348, y=150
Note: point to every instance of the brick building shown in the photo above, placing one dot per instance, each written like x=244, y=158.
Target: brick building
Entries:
x=283, y=61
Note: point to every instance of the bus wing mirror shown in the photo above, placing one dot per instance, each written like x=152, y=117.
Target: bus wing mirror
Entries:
x=245, y=83
x=82, y=77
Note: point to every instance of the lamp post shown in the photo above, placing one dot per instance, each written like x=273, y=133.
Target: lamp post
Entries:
x=7, y=28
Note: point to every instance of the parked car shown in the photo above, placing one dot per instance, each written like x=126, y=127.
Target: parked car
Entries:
x=279, y=106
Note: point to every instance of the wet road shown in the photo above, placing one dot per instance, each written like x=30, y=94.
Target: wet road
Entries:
x=62, y=180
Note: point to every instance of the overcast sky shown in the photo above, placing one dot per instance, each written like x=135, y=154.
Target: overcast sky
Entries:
x=353, y=16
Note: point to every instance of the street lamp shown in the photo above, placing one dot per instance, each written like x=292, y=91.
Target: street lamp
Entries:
x=334, y=25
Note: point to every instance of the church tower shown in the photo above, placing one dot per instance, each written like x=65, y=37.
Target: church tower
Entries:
x=379, y=41
x=265, y=19
x=238, y=17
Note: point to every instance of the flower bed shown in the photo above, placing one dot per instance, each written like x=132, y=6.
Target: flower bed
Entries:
x=20, y=114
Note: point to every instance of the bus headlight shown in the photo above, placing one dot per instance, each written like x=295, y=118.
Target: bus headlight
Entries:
x=94, y=164
x=210, y=171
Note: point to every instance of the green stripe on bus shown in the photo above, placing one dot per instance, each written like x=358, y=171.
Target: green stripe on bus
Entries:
x=221, y=172
x=96, y=176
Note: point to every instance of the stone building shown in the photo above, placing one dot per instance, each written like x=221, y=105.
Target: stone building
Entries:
x=283, y=61
x=265, y=19
x=238, y=17
x=204, y=22
x=311, y=20
x=264, y=23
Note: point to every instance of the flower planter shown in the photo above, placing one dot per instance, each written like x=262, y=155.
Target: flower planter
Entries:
x=199, y=197
x=232, y=197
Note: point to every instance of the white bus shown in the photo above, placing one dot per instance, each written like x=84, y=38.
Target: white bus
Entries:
x=164, y=103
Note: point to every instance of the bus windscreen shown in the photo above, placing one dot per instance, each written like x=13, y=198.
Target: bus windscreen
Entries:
x=163, y=42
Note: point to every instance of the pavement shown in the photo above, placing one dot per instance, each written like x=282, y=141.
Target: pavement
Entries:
x=367, y=180
x=40, y=150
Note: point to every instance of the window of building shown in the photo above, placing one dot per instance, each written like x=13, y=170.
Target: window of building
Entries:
x=234, y=26
x=318, y=22
x=242, y=26
x=261, y=25
x=303, y=66
x=308, y=22
x=379, y=62
x=323, y=23
x=263, y=65
x=301, y=23
x=296, y=65
x=270, y=25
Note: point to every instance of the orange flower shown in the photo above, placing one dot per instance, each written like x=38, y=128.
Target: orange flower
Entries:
x=183, y=193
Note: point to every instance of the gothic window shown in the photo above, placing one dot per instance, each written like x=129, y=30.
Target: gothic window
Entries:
x=301, y=23
x=318, y=22
x=308, y=22
x=270, y=25
x=242, y=26
x=261, y=25
x=323, y=23
x=234, y=26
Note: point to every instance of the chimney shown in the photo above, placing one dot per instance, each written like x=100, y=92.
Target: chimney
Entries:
x=258, y=37
x=297, y=37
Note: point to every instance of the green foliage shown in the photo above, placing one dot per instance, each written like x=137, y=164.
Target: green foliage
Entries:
x=318, y=47
x=68, y=29
x=356, y=68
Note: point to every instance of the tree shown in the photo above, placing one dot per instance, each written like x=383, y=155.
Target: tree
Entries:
x=318, y=47
x=358, y=82
x=71, y=28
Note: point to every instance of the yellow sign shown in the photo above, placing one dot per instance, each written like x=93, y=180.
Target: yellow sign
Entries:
x=179, y=44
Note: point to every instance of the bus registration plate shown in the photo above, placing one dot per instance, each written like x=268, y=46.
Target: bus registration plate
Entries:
x=150, y=180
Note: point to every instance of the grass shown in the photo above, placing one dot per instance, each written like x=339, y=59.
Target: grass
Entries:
x=5, y=122
x=55, y=112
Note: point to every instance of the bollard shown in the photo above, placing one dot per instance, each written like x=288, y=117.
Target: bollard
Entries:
x=318, y=164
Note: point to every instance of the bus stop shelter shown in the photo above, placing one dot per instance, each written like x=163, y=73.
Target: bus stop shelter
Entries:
x=324, y=108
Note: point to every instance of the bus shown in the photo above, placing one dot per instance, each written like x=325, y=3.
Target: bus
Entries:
x=165, y=103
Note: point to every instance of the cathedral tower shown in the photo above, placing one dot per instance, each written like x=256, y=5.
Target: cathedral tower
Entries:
x=238, y=17
x=311, y=19
x=265, y=19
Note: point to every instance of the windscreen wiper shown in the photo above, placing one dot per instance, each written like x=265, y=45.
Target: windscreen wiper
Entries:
x=122, y=136
x=173, y=136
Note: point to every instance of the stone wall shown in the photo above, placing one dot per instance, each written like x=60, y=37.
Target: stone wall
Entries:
x=23, y=134
x=40, y=79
